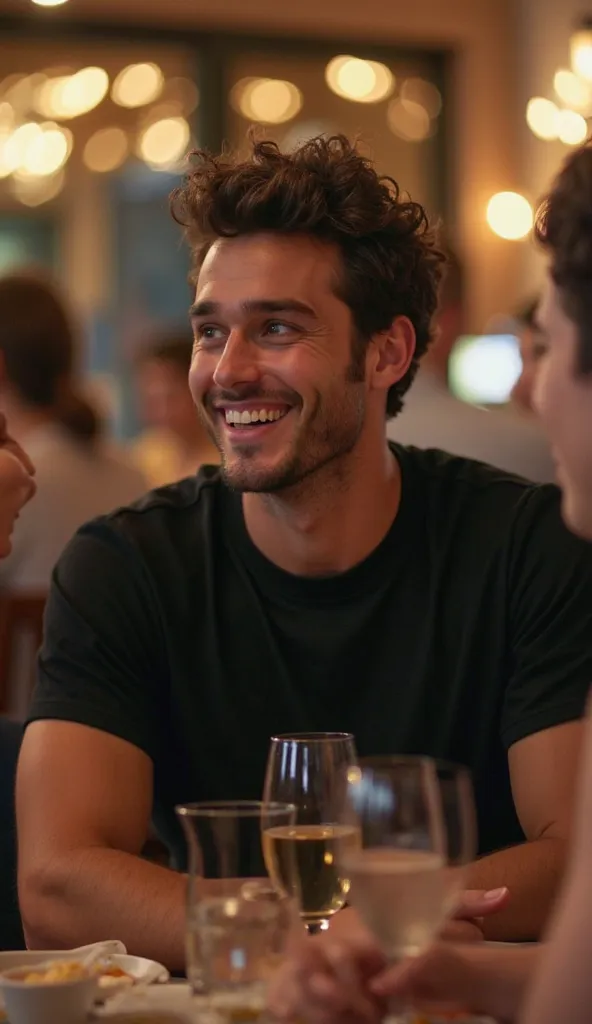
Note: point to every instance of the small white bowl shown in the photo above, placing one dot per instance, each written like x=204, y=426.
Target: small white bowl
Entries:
x=67, y=1002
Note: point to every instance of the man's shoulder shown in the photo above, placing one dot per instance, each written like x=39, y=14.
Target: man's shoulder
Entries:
x=164, y=511
x=454, y=485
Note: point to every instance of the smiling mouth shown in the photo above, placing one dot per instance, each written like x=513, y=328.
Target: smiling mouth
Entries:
x=245, y=419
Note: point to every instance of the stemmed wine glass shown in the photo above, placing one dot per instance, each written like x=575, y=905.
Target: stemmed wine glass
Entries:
x=416, y=824
x=304, y=769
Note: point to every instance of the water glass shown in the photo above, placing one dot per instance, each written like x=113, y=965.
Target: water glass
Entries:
x=238, y=923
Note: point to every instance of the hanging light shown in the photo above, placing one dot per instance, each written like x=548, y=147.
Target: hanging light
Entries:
x=361, y=81
x=509, y=215
x=542, y=117
x=580, y=46
x=137, y=85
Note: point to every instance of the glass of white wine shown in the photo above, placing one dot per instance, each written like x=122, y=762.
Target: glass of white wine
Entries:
x=416, y=822
x=304, y=769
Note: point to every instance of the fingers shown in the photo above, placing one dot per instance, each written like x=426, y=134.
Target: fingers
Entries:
x=15, y=449
x=439, y=978
x=324, y=983
x=475, y=903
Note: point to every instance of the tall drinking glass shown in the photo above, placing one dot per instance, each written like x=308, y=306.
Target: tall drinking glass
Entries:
x=238, y=922
x=416, y=823
x=304, y=769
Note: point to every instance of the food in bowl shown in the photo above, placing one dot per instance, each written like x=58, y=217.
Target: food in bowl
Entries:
x=57, y=973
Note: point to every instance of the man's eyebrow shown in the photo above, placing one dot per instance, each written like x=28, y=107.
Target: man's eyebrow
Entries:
x=208, y=308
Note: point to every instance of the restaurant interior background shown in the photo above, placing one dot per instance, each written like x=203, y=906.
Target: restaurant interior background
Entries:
x=101, y=99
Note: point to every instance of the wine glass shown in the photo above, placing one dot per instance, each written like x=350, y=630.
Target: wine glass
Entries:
x=304, y=769
x=238, y=923
x=416, y=823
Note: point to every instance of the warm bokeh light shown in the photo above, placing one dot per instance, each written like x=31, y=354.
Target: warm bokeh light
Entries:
x=47, y=153
x=509, y=215
x=581, y=53
x=363, y=81
x=137, y=85
x=572, y=128
x=418, y=90
x=50, y=3
x=571, y=89
x=7, y=115
x=69, y=96
x=542, y=117
x=163, y=144
x=409, y=120
x=36, y=191
x=17, y=146
x=266, y=100
x=106, y=150
x=5, y=167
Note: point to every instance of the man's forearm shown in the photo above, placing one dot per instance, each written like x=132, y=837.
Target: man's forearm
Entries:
x=532, y=872
x=99, y=893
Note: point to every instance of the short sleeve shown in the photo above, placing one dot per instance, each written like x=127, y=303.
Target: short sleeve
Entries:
x=550, y=620
x=102, y=661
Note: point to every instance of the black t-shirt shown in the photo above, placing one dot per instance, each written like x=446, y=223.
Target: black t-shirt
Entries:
x=466, y=630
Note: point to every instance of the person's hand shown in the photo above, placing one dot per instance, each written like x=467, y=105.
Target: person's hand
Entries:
x=466, y=923
x=17, y=486
x=327, y=980
x=445, y=979
x=10, y=445
x=476, y=979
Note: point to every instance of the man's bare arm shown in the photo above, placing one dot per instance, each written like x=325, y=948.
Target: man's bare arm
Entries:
x=84, y=799
x=543, y=770
x=563, y=987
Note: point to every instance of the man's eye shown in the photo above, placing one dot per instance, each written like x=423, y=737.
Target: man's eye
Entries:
x=277, y=328
x=209, y=332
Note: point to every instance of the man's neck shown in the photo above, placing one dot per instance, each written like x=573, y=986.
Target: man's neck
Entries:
x=332, y=520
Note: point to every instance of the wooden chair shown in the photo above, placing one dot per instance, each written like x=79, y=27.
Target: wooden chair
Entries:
x=21, y=634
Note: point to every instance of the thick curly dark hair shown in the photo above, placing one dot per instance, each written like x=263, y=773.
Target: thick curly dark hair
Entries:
x=327, y=189
x=564, y=228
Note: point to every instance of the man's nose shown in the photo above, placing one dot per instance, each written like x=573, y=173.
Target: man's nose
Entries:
x=238, y=362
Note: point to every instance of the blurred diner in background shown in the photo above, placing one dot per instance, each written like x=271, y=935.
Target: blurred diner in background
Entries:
x=165, y=636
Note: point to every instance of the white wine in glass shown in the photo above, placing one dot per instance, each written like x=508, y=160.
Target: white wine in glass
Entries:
x=417, y=833
x=315, y=848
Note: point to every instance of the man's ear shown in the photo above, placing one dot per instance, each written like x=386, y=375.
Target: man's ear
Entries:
x=391, y=354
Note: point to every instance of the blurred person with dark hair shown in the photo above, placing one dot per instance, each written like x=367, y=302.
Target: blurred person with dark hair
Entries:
x=78, y=475
x=434, y=417
x=532, y=349
x=550, y=983
x=321, y=579
x=175, y=443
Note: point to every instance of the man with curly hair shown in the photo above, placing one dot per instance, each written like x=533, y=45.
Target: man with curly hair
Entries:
x=321, y=579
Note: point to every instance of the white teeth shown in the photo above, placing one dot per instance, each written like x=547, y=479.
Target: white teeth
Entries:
x=238, y=418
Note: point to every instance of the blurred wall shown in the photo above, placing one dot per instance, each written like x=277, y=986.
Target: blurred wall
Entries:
x=485, y=122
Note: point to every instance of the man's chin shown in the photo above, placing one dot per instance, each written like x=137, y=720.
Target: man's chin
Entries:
x=248, y=477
